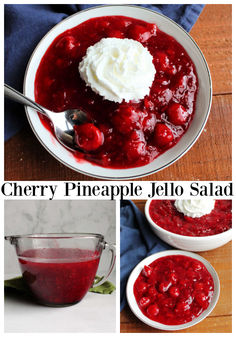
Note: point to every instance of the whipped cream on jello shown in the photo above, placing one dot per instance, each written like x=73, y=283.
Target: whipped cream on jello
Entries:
x=118, y=69
x=195, y=208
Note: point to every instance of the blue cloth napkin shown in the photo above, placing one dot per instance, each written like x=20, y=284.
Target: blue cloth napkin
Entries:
x=25, y=25
x=137, y=241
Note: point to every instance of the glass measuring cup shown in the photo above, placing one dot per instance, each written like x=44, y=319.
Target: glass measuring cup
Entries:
x=59, y=269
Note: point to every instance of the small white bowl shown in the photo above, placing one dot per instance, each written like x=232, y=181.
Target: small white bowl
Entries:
x=191, y=243
x=137, y=270
x=203, y=102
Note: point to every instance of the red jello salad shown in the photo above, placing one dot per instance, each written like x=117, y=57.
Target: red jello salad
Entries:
x=174, y=289
x=203, y=217
x=137, y=84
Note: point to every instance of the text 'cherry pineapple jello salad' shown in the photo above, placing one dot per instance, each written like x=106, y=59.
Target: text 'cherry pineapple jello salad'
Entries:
x=137, y=85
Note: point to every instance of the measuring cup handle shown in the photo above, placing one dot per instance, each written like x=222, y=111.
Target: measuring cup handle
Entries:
x=112, y=249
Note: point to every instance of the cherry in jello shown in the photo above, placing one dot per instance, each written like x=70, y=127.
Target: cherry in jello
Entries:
x=165, y=215
x=174, y=289
x=88, y=137
x=58, y=277
x=129, y=134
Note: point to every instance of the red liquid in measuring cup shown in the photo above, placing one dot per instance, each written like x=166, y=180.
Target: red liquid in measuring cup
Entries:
x=59, y=276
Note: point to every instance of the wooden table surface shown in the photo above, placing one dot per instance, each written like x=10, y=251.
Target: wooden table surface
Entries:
x=26, y=159
x=220, y=319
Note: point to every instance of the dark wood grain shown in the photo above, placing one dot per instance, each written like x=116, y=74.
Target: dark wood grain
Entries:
x=221, y=324
x=213, y=34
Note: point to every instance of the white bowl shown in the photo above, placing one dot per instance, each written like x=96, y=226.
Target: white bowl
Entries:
x=191, y=243
x=137, y=270
x=203, y=102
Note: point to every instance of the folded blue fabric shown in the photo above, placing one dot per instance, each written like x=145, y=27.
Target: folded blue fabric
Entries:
x=25, y=25
x=137, y=241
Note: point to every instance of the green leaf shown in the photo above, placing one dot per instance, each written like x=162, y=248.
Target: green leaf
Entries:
x=105, y=288
x=16, y=283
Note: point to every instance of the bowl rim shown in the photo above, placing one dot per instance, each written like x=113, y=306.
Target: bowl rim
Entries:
x=136, y=271
x=179, y=236
x=136, y=175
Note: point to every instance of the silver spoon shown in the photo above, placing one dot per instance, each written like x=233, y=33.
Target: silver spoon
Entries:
x=63, y=121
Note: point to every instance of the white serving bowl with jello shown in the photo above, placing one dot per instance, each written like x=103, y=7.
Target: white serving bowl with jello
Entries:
x=192, y=238
x=179, y=135
x=147, y=272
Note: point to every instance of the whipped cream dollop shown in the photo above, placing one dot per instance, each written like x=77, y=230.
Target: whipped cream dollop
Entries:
x=118, y=69
x=195, y=208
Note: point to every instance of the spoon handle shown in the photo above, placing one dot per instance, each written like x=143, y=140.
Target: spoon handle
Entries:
x=20, y=98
